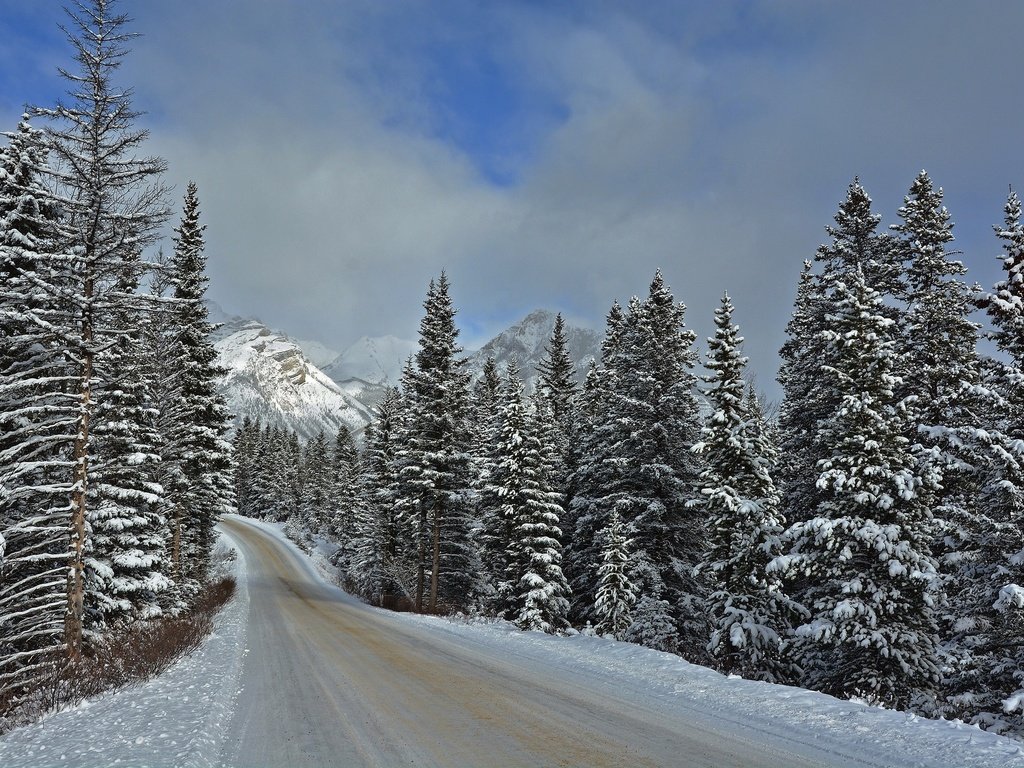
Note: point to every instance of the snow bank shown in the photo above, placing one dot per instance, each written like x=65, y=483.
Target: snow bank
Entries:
x=776, y=714
x=179, y=718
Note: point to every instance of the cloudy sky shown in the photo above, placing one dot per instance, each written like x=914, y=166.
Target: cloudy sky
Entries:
x=550, y=154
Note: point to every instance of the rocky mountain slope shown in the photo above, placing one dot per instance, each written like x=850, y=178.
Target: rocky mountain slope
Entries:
x=527, y=340
x=271, y=377
x=268, y=377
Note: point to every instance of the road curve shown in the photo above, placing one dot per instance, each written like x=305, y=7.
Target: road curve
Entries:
x=329, y=681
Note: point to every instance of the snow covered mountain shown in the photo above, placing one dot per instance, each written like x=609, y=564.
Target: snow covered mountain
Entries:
x=527, y=340
x=318, y=354
x=376, y=360
x=274, y=378
x=269, y=377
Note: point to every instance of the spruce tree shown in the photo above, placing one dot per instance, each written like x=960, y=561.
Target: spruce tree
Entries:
x=1005, y=305
x=37, y=419
x=557, y=384
x=958, y=422
x=636, y=459
x=865, y=556
x=318, y=493
x=198, y=445
x=113, y=207
x=751, y=614
x=808, y=399
x=616, y=593
x=435, y=462
x=586, y=515
x=986, y=685
x=127, y=570
x=380, y=566
x=344, y=481
x=522, y=551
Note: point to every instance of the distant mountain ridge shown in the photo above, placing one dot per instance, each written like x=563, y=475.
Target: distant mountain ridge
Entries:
x=374, y=360
x=528, y=340
x=271, y=377
x=268, y=377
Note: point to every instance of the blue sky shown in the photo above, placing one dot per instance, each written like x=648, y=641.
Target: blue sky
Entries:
x=550, y=154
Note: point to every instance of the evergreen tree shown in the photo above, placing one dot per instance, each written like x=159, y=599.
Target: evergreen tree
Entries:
x=586, y=515
x=866, y=555
x=126, y=572
x=557, y=384
x=245, y=447
x=318, y=493
x=37, y=419
x=636, y=459
x=1005, y=305
x=380, y=566
x=957, y=414
x=198, y=445
x=113, y=208
x=616, y=593
x=522, y=550
x=808, y=398
x=987, y=565
x=752, y=616
x=485, y=406
x=435, y=462
x=344, y=480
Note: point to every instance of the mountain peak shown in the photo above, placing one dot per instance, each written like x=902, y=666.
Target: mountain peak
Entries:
x=268, y=377
x=528, y=339
x=375, y=360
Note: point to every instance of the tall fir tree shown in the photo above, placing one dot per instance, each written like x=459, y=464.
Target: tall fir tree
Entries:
x=865, y=556
x=37, y=419
x=525, y=554
x=435, y=462
x=198, y=445
x=855, y=243
x=752, y=615
x=637, y=459
x=344, y=487
x=986, y=685
x=113, y=205
x=586, y=516
x=556, y=380
x=318, y=491
x=380, y=564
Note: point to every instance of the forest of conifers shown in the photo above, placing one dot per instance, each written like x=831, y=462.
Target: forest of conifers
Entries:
x=864, y=538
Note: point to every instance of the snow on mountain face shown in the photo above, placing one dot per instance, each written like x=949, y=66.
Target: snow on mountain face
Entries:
x=274, y=378
x=527, y=340
x=268, y=377
x=377, y=360
x=318, y=354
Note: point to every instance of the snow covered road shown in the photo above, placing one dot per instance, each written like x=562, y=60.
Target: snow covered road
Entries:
x=298, y=673
x=329, y=681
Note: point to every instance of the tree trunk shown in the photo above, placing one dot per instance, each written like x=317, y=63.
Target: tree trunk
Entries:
x=436, y=565
x=421, y=558
x=73, y=618
x=176, y=545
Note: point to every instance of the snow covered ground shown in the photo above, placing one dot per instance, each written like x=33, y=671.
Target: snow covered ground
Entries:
x=177, y=719
x=182, y=718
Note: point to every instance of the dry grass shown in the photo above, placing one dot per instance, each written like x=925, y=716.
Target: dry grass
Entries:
x=125, y=658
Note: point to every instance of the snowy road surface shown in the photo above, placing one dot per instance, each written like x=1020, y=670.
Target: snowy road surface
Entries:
x=299, y=674
x=331, y=681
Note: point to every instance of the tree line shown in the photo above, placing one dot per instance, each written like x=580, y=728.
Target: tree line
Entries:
x=862, y=539
x=113, y=460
